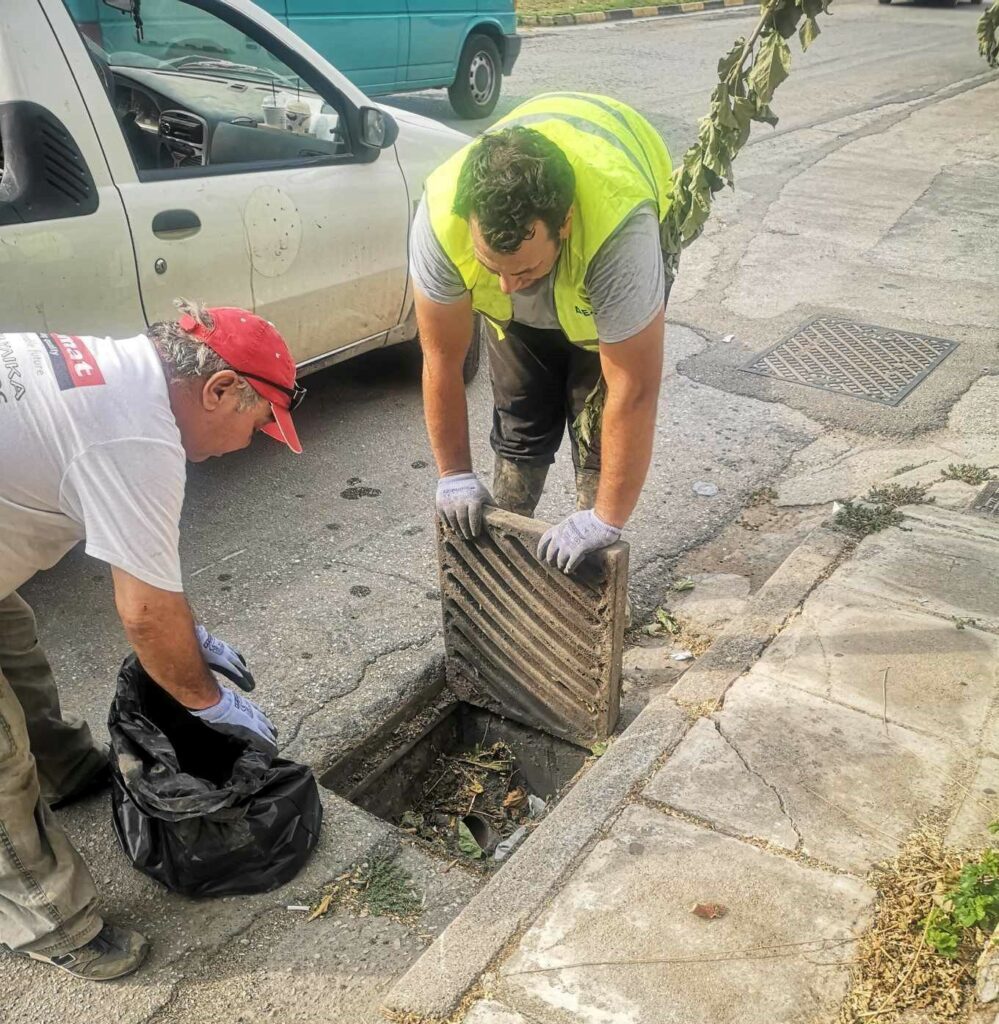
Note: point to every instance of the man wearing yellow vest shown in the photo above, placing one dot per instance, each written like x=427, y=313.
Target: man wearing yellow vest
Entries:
x=549, y=226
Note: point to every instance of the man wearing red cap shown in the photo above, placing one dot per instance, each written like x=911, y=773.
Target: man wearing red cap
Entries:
x=95, y=434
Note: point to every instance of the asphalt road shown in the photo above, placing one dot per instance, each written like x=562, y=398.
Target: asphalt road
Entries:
x=321, y=568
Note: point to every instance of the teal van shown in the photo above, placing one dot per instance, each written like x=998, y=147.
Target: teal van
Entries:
x=382, y=46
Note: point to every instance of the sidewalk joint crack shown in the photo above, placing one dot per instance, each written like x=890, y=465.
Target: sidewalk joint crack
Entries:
x=766, y=782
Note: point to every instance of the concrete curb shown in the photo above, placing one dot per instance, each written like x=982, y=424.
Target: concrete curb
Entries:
x=434, y=987
x=629, y=13
x=743, y=639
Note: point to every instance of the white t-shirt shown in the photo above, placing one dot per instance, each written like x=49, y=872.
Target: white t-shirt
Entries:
x=89, y=448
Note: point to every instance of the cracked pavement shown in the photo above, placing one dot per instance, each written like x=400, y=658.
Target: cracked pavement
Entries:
x=776, y=809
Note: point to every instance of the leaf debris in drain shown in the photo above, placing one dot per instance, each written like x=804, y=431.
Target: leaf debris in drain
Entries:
x=479, y=787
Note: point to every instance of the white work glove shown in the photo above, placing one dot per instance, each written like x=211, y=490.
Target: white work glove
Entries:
x=238, y=716
x=570, y=541
x=220, y=657
x=459, y=503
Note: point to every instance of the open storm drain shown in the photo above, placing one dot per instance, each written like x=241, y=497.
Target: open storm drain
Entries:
x=877, y=364
x=464, y=780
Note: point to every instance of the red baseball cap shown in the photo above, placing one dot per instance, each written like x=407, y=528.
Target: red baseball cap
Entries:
x=254, y=348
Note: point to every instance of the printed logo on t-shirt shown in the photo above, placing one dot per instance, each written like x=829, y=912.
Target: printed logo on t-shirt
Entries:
x=72, y=362
x=12, y=369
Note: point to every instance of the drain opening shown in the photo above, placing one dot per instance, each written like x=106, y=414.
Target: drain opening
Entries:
x=461, y=765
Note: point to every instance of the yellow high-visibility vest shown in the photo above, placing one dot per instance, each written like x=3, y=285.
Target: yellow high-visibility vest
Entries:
x=620, y=163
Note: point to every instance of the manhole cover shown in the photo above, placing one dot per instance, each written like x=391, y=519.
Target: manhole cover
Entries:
x=878, y=364
x=988, y=500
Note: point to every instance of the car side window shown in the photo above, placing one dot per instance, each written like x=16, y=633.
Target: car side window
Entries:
x=197, y=96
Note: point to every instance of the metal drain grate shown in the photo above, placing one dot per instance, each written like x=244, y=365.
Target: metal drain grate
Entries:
x=988, y=500
x=877, y=364
x=528, y=642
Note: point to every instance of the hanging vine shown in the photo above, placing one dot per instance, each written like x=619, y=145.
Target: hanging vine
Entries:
x=988, y=35
x=748, y=76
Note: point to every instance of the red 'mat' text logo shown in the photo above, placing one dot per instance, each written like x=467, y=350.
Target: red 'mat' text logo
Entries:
x=83, y=369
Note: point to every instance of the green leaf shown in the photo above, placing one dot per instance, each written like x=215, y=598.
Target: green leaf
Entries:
x=679, y=586
x=667, y=621
x=812, y=7
x=786, y=17
x=669, y=232
x=721, y=107
x=771, y=67
x=765, y=114
x=729, y=65
x=586, y=426
x=466, y=842
x=599, y=749
x=716, y=155
x=988, y=35
x=700, y=209
x=809, y=32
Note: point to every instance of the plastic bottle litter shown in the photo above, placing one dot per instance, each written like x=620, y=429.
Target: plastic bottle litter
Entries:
x=536, y=806
x=705, y=489
x=504, y=849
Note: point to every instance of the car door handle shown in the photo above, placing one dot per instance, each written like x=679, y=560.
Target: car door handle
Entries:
x=176, y=223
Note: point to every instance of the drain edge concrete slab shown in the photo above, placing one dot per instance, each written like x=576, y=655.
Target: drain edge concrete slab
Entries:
x=587, y=957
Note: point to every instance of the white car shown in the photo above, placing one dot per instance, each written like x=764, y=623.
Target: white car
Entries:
x=270, y=183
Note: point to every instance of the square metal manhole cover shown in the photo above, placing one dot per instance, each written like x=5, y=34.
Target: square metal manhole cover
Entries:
x=877, y=364
x=988, y=500
x=528, y=642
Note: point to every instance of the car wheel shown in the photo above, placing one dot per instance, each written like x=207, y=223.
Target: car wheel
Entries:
x=476, y=87
x=886, y=2
x=474, y=355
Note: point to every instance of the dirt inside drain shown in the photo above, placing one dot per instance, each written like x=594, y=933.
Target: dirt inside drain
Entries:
x=468, y=782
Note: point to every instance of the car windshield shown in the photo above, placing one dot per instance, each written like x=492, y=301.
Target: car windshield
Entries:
x=172, y=35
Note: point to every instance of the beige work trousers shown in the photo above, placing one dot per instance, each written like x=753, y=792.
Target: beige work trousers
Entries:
x=47, y=896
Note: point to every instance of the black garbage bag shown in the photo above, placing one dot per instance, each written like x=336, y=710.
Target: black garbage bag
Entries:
x=202, y=812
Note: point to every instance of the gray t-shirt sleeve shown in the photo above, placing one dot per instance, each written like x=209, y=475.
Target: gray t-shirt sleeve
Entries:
x=433, y=273
x=626, y=281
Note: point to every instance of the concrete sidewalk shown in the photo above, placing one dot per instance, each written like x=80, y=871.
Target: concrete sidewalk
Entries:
x=869, y=713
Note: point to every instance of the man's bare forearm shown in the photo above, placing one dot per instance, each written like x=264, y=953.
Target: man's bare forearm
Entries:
x=160, y=627
x=632, y=370
x=445, y=331
x=626, y=444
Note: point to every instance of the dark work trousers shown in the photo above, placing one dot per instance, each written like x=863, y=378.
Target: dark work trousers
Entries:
x=540, y=382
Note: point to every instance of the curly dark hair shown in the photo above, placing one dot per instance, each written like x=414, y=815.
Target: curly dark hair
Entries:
x=511, y=179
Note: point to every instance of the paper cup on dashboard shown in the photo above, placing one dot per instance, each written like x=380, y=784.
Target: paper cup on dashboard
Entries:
x=297, y=116
x=273, y=114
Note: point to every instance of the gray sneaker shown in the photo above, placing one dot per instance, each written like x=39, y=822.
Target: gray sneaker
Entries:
x=112, y=953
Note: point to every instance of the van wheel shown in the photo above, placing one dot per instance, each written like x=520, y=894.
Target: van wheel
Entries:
x=476, y=87
x=474, y=356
